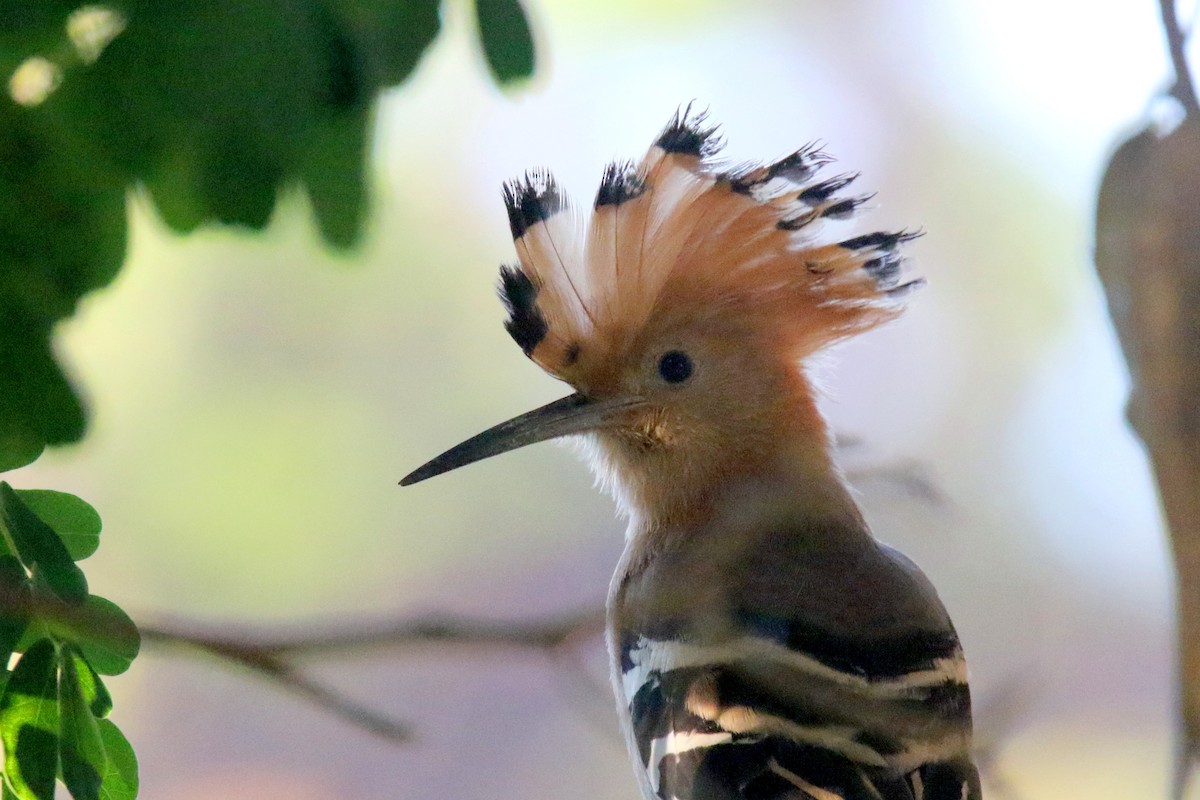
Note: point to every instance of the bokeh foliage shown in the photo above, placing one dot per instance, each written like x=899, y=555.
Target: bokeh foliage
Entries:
x=210, y=109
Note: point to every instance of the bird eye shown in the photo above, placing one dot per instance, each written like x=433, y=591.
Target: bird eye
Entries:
x=675, y=366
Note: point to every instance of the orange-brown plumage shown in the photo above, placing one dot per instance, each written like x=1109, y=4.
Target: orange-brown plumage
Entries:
x=763, y=644
x=697, y=240
x=735, y=268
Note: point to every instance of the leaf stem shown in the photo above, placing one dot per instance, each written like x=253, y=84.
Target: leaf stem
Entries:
x=1184, y=90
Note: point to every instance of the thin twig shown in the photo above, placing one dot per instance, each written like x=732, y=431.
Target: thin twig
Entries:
x=348, y=639
x=1184, y=90
x=271, y=654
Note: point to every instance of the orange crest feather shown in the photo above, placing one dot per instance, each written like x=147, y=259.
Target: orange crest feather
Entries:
x=677, y=240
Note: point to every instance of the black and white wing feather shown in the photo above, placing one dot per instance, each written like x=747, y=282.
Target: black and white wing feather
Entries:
x=792, y=699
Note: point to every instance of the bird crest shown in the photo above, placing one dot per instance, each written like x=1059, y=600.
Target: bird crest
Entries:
x=681, y=239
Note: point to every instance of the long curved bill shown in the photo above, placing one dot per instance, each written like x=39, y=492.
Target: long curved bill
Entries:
x=574, y=413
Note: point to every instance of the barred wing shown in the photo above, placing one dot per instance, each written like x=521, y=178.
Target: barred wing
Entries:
x=754, y=719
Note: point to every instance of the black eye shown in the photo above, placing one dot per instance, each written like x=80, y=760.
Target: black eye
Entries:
x=675, y=366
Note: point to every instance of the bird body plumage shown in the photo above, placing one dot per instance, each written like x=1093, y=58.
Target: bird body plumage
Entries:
x=754, y=649
x=764, y=645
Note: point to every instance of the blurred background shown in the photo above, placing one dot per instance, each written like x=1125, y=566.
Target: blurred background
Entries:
x=256, y=399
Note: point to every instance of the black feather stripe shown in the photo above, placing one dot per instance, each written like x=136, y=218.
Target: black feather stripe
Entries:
x=950, y=780
x=797, y=222
x=621, y=181
x=880, y=240
x=844, y=209
x=885, y=269
x=800, y=166
x=820, y=192
x=796, y=169
x=905, y=289
x=687, y=134
x=874, y=658
x=660, y=707
x=525, y=323
x=629, y=642
x=532, y=199
x=735, y=770
x=749, y=768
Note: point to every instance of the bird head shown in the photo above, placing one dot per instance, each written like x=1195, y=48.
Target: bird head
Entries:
x=682, y=309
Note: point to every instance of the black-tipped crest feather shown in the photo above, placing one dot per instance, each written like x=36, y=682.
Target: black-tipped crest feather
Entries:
x=525, y=323
x=800, y=165
x=880, y=240
x=621, y=181
x=618, y=272
x=687, y=134
x=844, y=209
x=792, y=170
x=885, y=269
x=532, y=199
x=820, y=192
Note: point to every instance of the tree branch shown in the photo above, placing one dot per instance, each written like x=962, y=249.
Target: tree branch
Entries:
x=1184, y=90
x=272, y=655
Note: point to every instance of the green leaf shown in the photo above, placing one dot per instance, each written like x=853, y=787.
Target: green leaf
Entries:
x=64, y=228
x=221, y=105
x=172, y=187
x=73, y=519
x=29, y=723
x=34, y=632
x=335, y=173
x=506, y=38
x=19, y=447
x=39, y=548
x=14, y=619
x=391, y=35
x=239, y=185
x=94, y=690
x=36, y=400
x=81, y=755
x=103, y=632
x=218, y=100
x=120, y=778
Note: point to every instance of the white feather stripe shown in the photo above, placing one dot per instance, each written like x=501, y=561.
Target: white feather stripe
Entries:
x=665, y=655
x=664, y=236
x=674, y=192
x=842, y=739
x=835, y=738
x=632, y=680
x=600, y=255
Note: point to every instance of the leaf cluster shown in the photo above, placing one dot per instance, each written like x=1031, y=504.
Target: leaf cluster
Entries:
x=211, y=109
x=53, y=703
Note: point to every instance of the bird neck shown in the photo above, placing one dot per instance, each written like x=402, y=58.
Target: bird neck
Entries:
x=774, y=458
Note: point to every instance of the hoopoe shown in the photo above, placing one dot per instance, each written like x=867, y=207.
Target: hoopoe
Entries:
x=763, y=643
